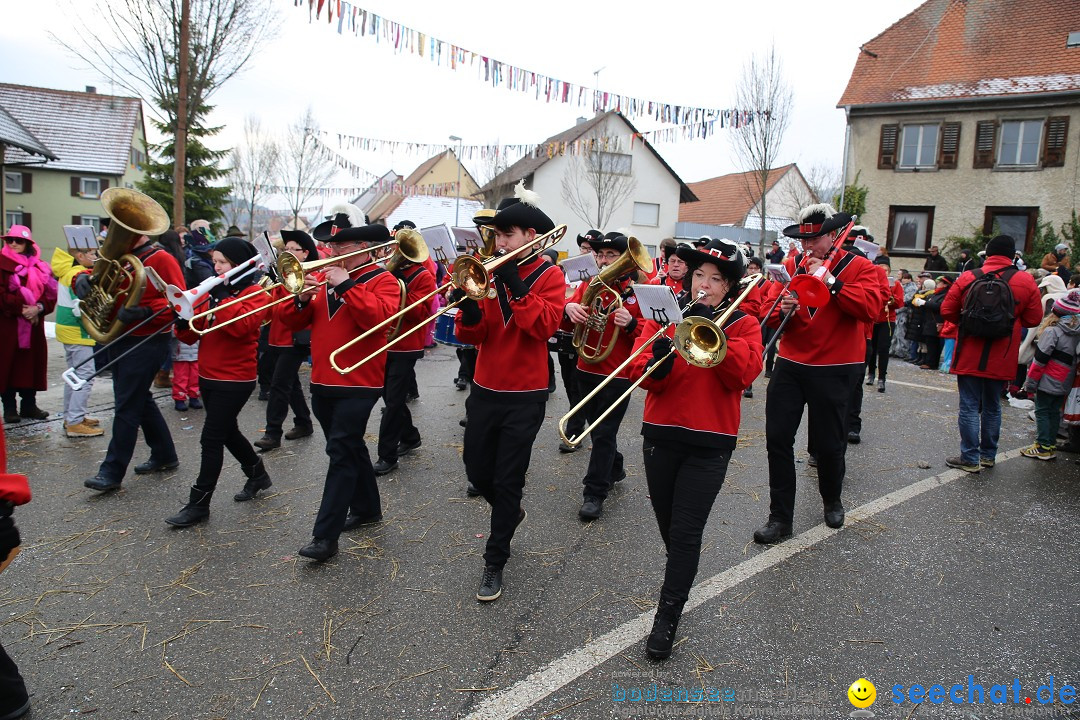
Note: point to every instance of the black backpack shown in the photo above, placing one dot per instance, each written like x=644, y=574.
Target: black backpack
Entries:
x=989, y=309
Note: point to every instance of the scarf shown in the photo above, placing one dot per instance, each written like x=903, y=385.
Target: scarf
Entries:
x=29, y=280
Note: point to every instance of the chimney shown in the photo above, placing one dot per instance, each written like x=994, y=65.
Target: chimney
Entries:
x=581, y=120
x=91, y=89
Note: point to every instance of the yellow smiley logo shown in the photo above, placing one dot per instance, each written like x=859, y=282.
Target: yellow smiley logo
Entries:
x=862, y=693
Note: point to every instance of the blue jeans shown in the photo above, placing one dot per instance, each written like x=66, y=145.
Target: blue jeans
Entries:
x=980, y=417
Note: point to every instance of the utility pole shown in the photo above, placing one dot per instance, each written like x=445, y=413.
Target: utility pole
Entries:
x=180, y=138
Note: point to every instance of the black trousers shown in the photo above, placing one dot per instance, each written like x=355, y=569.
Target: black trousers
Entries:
x=571, y=378
x=683, y=483
x=397, y=425
x=605, y=461
x=770, y=357
x=223, y=402
x=854, y=406
x=498, y=447
x=265, y=362
x=135, y=406
x=286, y=390
x=466, y=363
x=792, y=388
x=350, y=479
x=877, y=349
x=12, y=688
x=29, y=400
x=933, y=351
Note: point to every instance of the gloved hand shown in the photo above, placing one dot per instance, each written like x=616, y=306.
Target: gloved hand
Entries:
x=130, y=316
x=9, y=534
x=455, y=295
x=918, y=302
x=220, y=292
x=662, y=358
x=82, y=286
x=1030, y=386
x=181, y=324
x=508, y=274
x=470, y=312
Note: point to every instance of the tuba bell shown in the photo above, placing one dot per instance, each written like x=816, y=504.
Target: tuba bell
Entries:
x=117, y=279
x=595, y=338
x=411, y=249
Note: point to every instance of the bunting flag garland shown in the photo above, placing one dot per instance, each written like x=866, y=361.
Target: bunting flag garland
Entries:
x=363, y=23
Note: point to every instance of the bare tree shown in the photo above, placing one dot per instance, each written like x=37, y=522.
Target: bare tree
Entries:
x=822, y=183
x=597, y=183
x=305, y=169
x=142, y=52
x=255, y=165
x=763, y=90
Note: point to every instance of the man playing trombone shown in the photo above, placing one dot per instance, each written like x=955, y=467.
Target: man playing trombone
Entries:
x=336, y=313
x=510, y=387
x=822, y=350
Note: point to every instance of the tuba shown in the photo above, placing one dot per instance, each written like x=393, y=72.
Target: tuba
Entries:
x=117, y=277
x=411, y=249
x=595, y=338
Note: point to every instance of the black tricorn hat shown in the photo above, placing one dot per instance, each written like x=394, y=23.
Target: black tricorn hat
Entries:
x=368, y=233
x=324, y=231
x=304, y=240
x=702, y=241
x=590, y=236
x=817, y=220
x=860, y=231
x=521, y=211
x=405, y=224
x=483, y=216
x=610, y=241
x=725, y=254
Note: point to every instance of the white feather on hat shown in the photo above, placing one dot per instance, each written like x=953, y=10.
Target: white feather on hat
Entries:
x=526, y=196
x=809, y=210
x=356, y=217
x=859, y=230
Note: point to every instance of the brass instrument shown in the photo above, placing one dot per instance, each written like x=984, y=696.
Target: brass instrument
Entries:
x=699, y=341
x=487, y=233
x=117, y=278
x=291, y=271
x=413, y=250
x=467, y=274
x=601, y=299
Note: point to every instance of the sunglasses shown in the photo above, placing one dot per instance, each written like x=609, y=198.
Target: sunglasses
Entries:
x=13, y=241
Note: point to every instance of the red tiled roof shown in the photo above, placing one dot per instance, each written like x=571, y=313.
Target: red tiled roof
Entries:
x=947, y=49
x=727, y=199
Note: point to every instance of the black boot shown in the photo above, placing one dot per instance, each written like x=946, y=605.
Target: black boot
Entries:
x=258, y=479
x=196, y=511
x=664, y=626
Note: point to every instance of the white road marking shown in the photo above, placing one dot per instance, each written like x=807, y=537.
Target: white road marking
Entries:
x=524, y=694
x=921, y=387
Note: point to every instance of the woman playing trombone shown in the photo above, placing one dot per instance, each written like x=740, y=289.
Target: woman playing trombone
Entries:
x=227, y=370
x=691, y=424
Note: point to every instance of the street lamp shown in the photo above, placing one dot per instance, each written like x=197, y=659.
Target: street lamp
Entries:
x=457, y=203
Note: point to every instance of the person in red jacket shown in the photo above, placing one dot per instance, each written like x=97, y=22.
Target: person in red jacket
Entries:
x=132, y=375
x=346, y=306
x=14, y=491
x=287, y=351
x=397, y=434
x=820, y=357
x=982, y=365
x=691, y=425
x=605, y=460
x=510, y=387
x=877, y=349
x=227, y=374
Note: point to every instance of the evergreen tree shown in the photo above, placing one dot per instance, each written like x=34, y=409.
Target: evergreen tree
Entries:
x=205, y=193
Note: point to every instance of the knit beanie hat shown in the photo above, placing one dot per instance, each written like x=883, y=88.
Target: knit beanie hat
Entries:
x=1068, y=304
x=1001, y=245
x=236, y=250
x=928, y=284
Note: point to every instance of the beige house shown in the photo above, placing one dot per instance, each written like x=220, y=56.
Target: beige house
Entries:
x=963, y=116
x=439, y=174
x=99, y=142
x=642, y=193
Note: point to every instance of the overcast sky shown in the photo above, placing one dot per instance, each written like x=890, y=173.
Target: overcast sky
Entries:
x=686, y=52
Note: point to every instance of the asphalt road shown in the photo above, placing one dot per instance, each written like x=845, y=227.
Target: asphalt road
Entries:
x=937, y=576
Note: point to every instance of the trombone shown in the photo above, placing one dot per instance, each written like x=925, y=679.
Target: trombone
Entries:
x=467, y=274
x=699, y=341
x=291, y=271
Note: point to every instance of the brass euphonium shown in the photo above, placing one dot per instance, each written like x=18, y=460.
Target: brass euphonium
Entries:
x=595, y=338
x=117, y=278
x=411, y=249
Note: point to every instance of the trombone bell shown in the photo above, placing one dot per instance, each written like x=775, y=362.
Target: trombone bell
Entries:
x=700, y=342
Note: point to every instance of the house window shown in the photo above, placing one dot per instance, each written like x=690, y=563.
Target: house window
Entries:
x=910, y=228
x=92, y=220
x=919, y=146
x=89, y=187
x=13, y=182
x=13, y=217
x=1020, y=142
x=646, y=214
x=1016, y=222
x=614, y=163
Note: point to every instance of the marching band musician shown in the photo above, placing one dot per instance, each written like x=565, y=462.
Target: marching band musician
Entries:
x=877, y=351
x=288, y=351
x=605, y=461
x=397, y=434
x=336, y=313
x=675, y=275
x=691, y=425
x=510, y=388
x=133, y=373
x=820, y=350
x=227, y=374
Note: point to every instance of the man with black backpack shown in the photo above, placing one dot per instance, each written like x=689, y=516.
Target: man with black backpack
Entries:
x=989, y=306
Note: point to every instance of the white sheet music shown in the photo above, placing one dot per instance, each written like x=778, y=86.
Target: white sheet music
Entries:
x=580, y=267
x=657, y=302
x=468, y=238
x=440, y=242
x=777, y=272
x=81, y=237
x=872, y=250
